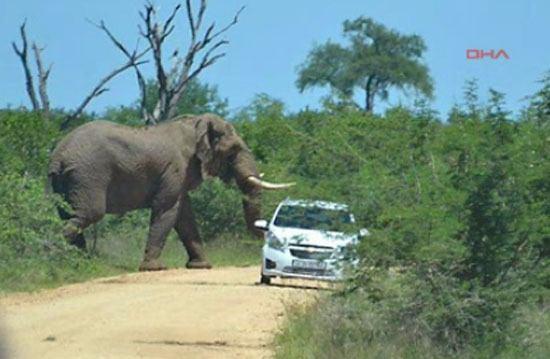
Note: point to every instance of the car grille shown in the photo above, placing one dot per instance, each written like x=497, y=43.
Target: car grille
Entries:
x=311, y=253
x=309, y=271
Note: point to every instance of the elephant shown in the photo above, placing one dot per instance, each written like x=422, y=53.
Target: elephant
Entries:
x=102, y=167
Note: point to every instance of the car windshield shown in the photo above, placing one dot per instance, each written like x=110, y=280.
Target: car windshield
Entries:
x=311, y=217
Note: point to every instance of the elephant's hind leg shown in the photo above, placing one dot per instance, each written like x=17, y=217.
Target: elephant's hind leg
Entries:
x=162, y=221
x=86, y=197
x=73, y=232
x=91, y=212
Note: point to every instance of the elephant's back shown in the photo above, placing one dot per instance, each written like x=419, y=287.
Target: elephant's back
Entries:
x=94, y=144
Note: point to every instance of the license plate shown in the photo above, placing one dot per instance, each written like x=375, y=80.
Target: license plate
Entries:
x=308, y=264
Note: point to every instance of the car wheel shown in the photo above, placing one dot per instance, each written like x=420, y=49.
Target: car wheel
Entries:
x=265, y=280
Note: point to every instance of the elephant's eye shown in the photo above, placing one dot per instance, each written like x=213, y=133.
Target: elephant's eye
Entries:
x=232, y=157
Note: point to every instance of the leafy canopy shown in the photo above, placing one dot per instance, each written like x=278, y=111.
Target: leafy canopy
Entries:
x=376, y=59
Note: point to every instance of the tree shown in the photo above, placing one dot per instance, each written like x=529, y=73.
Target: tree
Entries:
x=172, y=83
x=471, y=97
x=22, y=53
x=43, y=75
x=539, y=107
x=376, y=59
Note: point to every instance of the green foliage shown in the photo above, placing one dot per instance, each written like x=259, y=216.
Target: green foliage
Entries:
x=198, y=98
x=33, y=252
x=218, y=210
x=129, y=116
x=460, y=241
x=353, y=327
x=539, y=109
x=25, y=142
x=376, y=60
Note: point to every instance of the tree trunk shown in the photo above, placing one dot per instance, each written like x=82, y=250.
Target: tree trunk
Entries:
x=369, y=96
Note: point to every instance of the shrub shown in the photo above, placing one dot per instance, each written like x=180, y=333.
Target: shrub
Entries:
x=32, y=249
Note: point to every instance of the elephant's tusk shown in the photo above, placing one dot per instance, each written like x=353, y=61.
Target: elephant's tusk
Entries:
x=267, y=185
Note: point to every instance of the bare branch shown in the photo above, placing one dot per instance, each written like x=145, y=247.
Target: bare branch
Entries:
x=168, y=28
x=206, y=38
x=187, y=74
x=132, y=57
x=155, y=38
x=23, y=56
x=195, y=26
x=191, y=20
x=172, y=83
x=204, y=64
x=42, y=80
x=201, y=15
x=99, y=89
x=231, y=24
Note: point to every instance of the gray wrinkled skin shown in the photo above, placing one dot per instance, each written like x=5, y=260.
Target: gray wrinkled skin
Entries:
x=102, y=167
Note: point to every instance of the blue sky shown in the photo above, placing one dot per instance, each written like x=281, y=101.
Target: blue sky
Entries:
x=273, y=38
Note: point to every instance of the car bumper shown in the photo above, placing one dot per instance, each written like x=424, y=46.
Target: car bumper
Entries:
x=277, y=263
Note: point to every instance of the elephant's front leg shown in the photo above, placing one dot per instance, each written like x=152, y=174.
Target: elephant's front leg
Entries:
x=186, y=226
x=162, y=221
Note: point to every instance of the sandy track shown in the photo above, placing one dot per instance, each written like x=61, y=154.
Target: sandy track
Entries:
x=218, y=313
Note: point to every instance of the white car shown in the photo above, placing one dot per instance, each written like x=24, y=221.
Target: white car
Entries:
x=307, y=239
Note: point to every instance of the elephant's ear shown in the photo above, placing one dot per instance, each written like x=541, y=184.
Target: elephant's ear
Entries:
x=207, y=139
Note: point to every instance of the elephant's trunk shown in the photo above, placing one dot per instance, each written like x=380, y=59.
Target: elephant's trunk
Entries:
x=244, y=166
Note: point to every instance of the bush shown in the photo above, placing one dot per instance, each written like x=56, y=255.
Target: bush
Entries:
x=25, y=142
x=460, y=209
x=32, y=249
x=354, y=326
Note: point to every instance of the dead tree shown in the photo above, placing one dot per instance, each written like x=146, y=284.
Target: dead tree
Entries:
x=43, y=74
x=173, y=82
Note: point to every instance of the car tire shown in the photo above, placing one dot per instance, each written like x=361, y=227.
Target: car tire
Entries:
x=265, y=280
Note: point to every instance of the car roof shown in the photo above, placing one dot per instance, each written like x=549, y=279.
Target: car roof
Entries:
x=315, y=203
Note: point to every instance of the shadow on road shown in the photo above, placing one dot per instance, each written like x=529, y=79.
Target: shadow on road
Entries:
x=216, y=343
x=295, y=286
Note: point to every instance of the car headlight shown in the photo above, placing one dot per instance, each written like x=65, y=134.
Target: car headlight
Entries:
x=274, y=242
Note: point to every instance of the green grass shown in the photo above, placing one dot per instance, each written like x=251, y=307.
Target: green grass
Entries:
x=334, y=327
x=116, y=253
x=316, y=332
x=30, y=274
x=124, y=249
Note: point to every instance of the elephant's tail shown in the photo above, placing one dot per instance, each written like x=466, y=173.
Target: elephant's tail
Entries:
x=57, y=183
x=56, y=177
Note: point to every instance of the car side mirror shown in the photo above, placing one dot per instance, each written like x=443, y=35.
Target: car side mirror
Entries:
x=363, y=232
x=261, y=224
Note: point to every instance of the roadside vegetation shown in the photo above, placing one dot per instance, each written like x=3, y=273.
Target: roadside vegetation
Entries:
x=457, y=263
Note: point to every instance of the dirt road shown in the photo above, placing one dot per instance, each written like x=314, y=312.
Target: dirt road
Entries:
x=218, y=313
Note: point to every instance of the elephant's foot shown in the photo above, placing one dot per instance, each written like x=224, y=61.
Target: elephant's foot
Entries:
x=151, y=265
x=198, y=264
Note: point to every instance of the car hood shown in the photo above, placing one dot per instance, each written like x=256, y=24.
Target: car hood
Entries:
x=313, y=237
